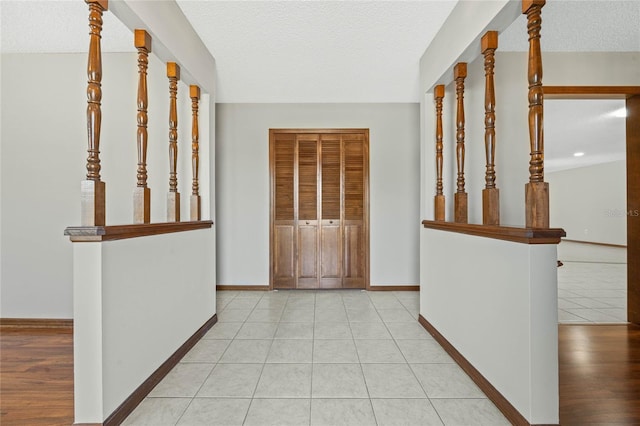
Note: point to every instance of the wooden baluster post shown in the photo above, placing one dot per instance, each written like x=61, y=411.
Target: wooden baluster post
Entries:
x=460, y=197
x=439, y=201
x=173, y=197
x=194, y=92
x=93, y=190
x=142, y=194
x=490, y=195
x=537, y=190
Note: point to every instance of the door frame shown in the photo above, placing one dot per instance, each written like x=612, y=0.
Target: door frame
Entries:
x=632, y=96
x=272, y=132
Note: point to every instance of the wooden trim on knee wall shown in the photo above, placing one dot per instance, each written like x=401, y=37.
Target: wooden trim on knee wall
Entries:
x=508, y=410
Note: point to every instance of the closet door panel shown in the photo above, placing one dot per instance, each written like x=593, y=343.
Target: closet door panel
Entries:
x=354, y=255
x=330, y=232
x=308, y=211
x=284, y=271
x=354, y=211
x=283, y=202
x=331, y=252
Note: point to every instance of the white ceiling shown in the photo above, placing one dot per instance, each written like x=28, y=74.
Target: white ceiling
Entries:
x=317, y=51
x=580, y=26
x=56, y=26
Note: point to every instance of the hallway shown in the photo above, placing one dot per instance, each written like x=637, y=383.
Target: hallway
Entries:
x=319, y=358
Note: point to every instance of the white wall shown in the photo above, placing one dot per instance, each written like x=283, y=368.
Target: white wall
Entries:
x=590, y=203
x=43, y=160
x=496, y=303
x=243, y=184
x=129, y=319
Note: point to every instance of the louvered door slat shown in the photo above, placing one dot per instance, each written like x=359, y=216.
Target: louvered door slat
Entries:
x=283, y=267
x=353, y=177
x=354, y=200
x=307, y=211
x=330, y=225
x=284, y=164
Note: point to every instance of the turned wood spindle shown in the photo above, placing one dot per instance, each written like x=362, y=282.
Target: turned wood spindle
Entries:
x=537, y=190
x=173, y=197
x=439, y=201
x=460, y=197
x=142, y=194
x=490, y=195
x=92, y=205
x=194, y=92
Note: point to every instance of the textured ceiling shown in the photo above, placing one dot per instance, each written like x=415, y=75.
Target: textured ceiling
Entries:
x=317, y=51
x=586, y=25
x=588, y=126
x=56, y=26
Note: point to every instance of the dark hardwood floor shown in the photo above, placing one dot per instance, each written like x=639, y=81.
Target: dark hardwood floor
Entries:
x=599, y=375
x=36, y=376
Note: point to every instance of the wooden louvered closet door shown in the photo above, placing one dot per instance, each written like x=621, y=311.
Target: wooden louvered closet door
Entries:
x=319, y=208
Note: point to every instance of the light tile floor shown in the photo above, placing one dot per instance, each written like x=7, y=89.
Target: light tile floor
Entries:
x=317, y=358
x=592, y=293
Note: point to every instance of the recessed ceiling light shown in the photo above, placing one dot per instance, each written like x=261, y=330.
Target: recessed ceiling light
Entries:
x=578, y=154
x=622, y=112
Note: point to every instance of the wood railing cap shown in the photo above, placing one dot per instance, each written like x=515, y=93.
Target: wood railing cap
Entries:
x=78, y=234
x=103, y=3
x=142, y=39
x=173, y=70
x=489, y=41
x=194, y=91
x=460, y=70
x=528, y=4
x=439, y=91
x=508, y=233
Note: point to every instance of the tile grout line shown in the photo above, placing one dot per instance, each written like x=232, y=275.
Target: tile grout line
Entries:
x=264, y=363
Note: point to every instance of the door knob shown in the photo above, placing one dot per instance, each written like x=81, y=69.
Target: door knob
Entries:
x=330, y=222
x=307, y=222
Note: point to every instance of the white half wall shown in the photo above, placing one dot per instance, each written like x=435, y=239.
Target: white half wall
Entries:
x=496, y=302
x=242, y=161
x=136, y=302
x=44, y=145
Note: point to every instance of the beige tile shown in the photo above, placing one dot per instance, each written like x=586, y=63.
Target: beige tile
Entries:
x=206, y=351
x=290, y=351
x=423, y=351
x=379, y=351
x=405, y=412
x=157, y=412
x=232, y=380
x=446, y=381
x=391, y=381
x=334, y=351
x=338, y=381
x=463, y=412
x=246, y=351
x=285, y=381
x=183, y=380
x=215, y=412
x=334, y=412
x=279, y=412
